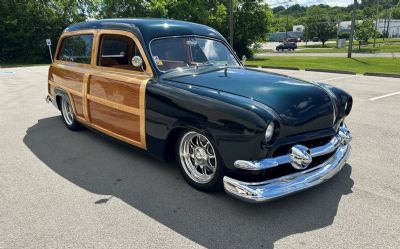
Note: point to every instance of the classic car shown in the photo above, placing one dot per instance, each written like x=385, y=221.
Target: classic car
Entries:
x=177, y=90
x=286, y=45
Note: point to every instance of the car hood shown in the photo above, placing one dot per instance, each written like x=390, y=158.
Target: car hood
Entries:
x=301, y=106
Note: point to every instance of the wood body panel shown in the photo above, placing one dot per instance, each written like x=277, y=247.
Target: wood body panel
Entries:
x=108, y=99
x=78, y=105
x=67, y=78
x=116, y=121
x=114, y=90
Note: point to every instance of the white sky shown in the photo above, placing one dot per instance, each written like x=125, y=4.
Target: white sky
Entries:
x=343, y=3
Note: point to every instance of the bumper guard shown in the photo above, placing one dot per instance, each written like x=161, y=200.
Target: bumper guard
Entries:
x=286, y=185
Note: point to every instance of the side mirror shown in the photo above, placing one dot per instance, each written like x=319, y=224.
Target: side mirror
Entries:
x=137, y=61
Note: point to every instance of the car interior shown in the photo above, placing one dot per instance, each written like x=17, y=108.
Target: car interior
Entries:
x=117, y=51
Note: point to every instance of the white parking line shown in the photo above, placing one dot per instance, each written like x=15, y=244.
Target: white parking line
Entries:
x=343, y=77
x=384, y=96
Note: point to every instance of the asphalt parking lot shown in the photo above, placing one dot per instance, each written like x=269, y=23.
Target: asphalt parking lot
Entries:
x=63, y=189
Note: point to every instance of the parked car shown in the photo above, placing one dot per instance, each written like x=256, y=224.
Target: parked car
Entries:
x=177, y=89
x=293, y=39
x=315, y=39
x=286, y=45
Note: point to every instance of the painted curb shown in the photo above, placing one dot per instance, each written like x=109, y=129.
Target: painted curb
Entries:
x=276, y=67
x=383, y=75
x=330, y=71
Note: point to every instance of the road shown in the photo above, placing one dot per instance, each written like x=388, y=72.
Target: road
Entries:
x=272, y=45
x=63, y=189
x=357, y=55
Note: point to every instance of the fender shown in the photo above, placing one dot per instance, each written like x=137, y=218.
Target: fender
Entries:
x=227, y=119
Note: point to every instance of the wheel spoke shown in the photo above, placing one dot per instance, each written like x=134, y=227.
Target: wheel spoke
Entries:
x=210, y=167
x=204, y=169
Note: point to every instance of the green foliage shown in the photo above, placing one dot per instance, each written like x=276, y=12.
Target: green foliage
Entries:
x=319, y=24
x=364, y=30
x=344, y=35
x=251, y=22
x=25, y=24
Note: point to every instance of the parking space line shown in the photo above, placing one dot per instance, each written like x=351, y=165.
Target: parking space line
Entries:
x=336, y=78
x=384, y=96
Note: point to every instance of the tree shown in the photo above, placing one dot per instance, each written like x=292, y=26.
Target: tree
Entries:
x=364, y=31
x=25, y=24
x=252, y=20
x=319, y=24
x=251, y=17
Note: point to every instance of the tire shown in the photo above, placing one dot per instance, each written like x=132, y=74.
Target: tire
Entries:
x=68, y=115
x=199, y=162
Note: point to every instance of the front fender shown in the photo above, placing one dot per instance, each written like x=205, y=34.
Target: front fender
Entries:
x=235, y=124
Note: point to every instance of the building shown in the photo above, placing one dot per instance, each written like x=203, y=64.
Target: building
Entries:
x=281, y=36
x=394, y=27
x=345, y=26
x=298, y=28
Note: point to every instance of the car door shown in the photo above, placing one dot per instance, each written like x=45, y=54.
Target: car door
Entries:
x=72, y=63
x=115, y=89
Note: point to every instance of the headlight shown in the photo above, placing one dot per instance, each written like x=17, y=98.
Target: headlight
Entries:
x=269, y=132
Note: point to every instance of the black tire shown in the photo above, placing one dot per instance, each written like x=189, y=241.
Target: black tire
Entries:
x=215, y=182
x=68, y=115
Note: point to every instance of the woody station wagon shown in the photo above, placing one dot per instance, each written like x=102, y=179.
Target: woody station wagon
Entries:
x=177, y=89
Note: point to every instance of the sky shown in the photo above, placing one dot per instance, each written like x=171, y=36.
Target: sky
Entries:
x=343, y=3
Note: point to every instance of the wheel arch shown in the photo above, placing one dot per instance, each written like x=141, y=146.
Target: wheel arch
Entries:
x=59, y=94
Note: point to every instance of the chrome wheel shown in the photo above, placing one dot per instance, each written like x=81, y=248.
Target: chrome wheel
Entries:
x=68, y=114
x=198, y=157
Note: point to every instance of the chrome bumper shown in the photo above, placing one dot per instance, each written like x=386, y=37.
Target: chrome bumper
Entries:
x=285, y=185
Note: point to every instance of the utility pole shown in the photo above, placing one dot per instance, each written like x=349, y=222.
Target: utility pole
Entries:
x=287, y=19
x=384, y=23
x=387, y=29
x=376, y=21
x=337, y=31
x=353, y=20
x=231, y=23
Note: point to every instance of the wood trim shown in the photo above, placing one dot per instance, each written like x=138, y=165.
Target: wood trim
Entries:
x=114, y=105
x=85, y=83
x=142, y=109
x=89, y=70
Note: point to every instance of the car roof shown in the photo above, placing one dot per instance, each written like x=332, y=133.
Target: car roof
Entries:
x=149, y=28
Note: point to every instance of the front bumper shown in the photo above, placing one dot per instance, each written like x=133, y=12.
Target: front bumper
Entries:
x=285, y=185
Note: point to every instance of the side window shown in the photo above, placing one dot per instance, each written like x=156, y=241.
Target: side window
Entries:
x=77, y=49
x=116, y=51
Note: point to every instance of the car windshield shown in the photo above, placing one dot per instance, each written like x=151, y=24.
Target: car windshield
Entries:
x=190, y=52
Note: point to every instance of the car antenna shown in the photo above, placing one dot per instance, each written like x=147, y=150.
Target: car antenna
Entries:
x=226, y=70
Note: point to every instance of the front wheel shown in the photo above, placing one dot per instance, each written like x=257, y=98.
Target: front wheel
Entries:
x=199, y=161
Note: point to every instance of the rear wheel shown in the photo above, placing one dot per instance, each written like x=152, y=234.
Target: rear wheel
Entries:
x=68, y=115
x=199, y=161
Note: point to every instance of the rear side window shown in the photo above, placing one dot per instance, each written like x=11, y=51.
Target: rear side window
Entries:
x=117, y=51
x=77, y=49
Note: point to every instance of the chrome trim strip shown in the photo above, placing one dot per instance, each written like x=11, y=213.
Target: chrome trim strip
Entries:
x=342, y=137
x=275, y=188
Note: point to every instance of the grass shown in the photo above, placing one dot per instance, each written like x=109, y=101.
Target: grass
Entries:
x=382, y=46
x=358, y=65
